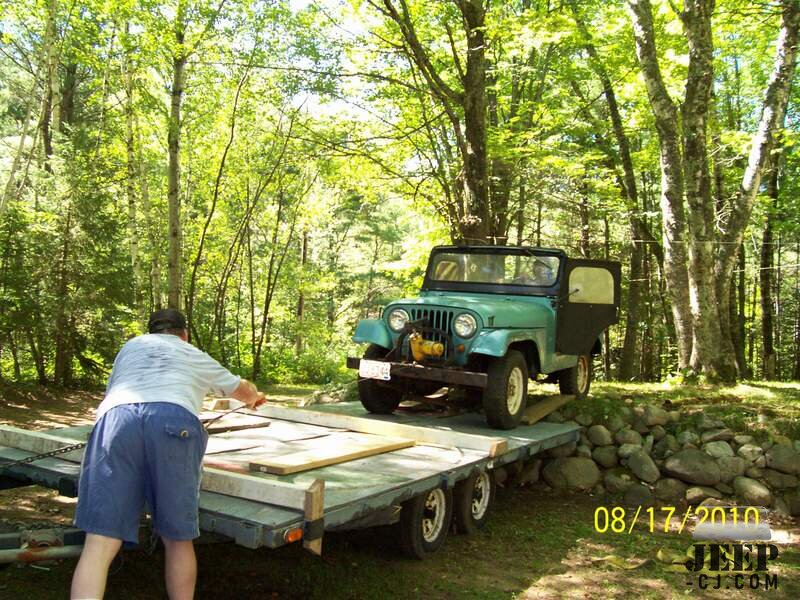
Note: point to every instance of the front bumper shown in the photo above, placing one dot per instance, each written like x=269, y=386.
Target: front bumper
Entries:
x=443, y=375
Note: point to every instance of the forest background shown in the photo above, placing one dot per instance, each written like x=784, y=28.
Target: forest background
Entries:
x=280, y=169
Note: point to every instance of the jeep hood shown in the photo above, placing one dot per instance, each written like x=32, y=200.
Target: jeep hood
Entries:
x=494, y=310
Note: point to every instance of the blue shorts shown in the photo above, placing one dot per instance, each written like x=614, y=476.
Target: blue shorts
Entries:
x=151, y=452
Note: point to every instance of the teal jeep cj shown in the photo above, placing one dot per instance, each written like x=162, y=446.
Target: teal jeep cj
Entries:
x=488, y=319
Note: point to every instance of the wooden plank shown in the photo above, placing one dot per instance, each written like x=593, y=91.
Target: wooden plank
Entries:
x=539, y=410
x=253, y=487
x=214, y=480
x=313, y=509
x=327, y=452
x=491, y=445
x=38, y=442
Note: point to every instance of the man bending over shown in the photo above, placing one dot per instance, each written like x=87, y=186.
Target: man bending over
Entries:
x=147, y=446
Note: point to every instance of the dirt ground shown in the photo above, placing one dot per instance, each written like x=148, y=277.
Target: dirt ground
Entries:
x=537, y=545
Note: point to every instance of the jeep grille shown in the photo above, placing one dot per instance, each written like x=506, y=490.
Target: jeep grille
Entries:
x=437, y=318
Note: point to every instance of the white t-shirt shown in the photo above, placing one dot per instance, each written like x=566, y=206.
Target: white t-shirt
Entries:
x=160, y=367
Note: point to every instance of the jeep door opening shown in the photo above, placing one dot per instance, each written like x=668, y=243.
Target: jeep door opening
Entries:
x=487, y=320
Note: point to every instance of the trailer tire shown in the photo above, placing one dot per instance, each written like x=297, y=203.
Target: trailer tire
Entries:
x=506, y=392
x=473, y=500
x=376, y=396
x=424, y=523
x=577, y=380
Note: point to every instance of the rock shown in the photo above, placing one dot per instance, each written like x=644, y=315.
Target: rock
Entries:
x=643, y=467
x=751, y=492
x=614, y=423
x=530, y=472
x=605, y=456
x=658, y=432
x=600, y=435
x=797, y=445
x=563, y=450
x=780, y=506
x=687, y=437
x=638, y=495
x=695, y=495
x=653, y=415
x=782, y=440
x=693, y=466
x=743, y=439
x=674, y=416
x=718, y=449
x=647, y=445
x=618, y=480
x=767, y=445
x=749, y=452
x=639, y=426
x=704, y=423
x=585, y=441
x=711, y=503
x=724, y=488
x=584, y=419
x=583, y=451
x=568, y=411
x=754, y=472
x=731, y=467
x=779, y=481
x=626, y=450
x=783, y=458
x=572, y=473
x=670, y=491
x=665, y=446
x=554, y=417
x=628, y=436
x=792, y=500
x=761, y=462
x=715, y=435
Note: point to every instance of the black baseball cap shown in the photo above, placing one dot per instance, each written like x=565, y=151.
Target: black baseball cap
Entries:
x=166, y=318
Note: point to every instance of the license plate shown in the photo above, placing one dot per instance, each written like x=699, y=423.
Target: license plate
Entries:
x=374, y=369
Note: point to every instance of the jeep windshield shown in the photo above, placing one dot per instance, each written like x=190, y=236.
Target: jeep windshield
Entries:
x=494, y=268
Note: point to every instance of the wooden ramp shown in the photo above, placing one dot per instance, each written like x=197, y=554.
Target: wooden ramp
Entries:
x=538, y=411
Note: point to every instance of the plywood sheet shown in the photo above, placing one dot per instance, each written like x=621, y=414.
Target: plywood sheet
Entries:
x=328, y=450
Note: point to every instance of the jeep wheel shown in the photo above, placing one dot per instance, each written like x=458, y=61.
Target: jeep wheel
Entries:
x=379, y=397
x=506, y=392
x=576, y=380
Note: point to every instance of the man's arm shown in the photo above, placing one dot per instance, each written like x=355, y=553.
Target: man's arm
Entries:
x=248, y=393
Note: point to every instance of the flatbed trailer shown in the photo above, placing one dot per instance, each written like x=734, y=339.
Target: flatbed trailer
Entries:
x=256, y=509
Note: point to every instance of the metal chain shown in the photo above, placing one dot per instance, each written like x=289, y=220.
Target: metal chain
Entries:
x=35, y=457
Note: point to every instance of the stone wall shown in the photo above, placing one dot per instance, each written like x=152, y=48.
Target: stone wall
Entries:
x=648, y=455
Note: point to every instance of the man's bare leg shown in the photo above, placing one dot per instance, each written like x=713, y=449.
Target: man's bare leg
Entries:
x=180, y=569
x=89, y=580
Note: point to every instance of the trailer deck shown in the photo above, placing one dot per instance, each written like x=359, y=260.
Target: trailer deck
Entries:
x=360, y=493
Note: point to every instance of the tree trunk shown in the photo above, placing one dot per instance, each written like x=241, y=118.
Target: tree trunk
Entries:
x=130, y=184
x=62, y=367
x=768, y=357
x=301, y=298
x=11, y=188
x=583, y=210
x=175, y=255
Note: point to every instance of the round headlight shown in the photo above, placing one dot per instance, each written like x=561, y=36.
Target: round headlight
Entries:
x=398, y=319
x=465, y=325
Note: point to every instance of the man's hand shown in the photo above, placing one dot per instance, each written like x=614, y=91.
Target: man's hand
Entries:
x=248, y=393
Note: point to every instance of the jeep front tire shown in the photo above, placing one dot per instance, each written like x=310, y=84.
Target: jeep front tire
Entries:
x=506, y=392
x=378, y=397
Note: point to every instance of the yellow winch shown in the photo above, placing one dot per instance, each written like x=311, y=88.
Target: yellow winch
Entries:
x=422, y=348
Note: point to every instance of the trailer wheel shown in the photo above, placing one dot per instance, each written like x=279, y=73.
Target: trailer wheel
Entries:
x=576, y=380
x=424, y=522
x=506, y=392
x=378, y=397
x=474, y=498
